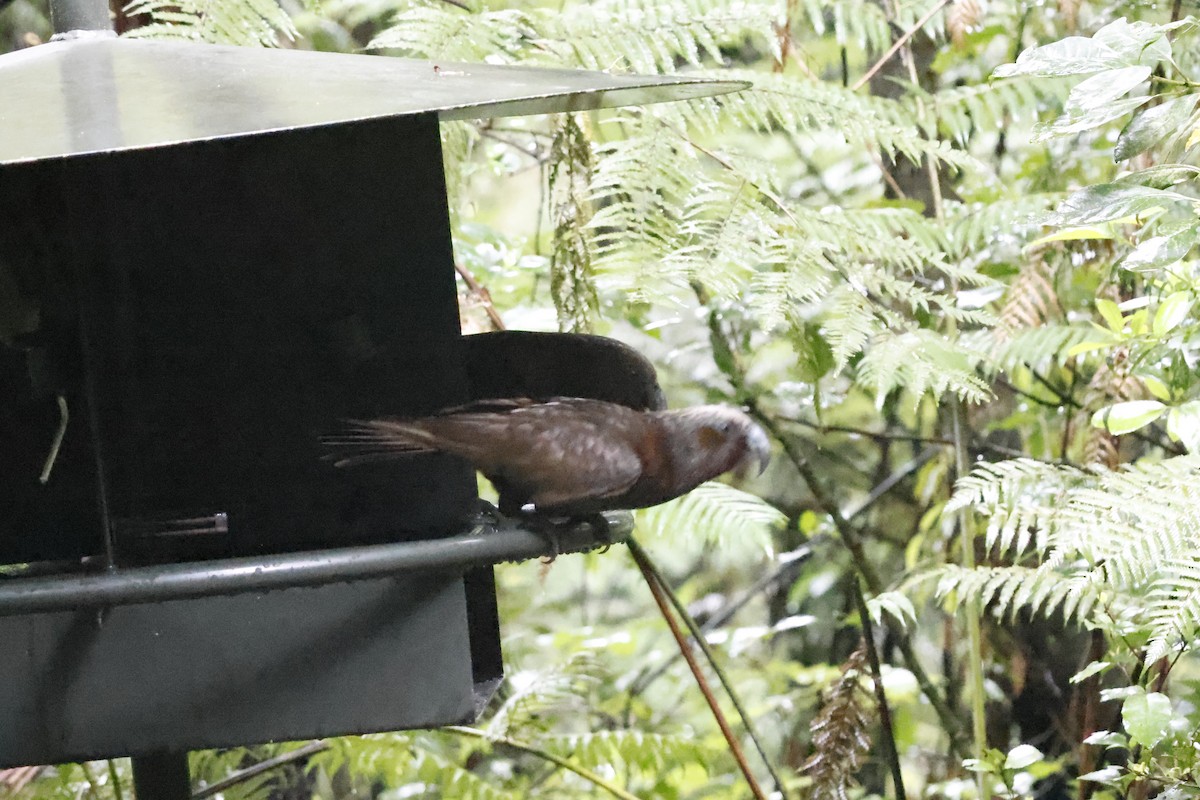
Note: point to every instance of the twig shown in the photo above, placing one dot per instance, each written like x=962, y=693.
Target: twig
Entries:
x=853, y=543
x=93, y=789
x=586, y=774
x=891, y=754
x=966, y=530
x=312, y=748
x=878, y=65
x=788, y=563
x=115, y=780
x=656, y=590
x=850, y=537
x=643, y=558
x=56, y=442
x=480, y=291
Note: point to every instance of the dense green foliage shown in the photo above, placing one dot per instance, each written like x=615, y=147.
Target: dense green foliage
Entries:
x=975, y=265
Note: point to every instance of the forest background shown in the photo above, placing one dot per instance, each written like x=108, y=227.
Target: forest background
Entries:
x=945, y=253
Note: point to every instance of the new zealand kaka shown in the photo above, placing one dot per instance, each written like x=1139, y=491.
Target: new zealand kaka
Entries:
x=571, y=456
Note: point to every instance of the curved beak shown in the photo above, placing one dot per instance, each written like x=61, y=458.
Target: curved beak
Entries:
x=758, y=449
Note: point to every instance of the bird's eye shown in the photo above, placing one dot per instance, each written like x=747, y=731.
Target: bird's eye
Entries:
x=725, y=427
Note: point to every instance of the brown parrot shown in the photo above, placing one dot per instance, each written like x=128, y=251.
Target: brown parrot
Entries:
x=571, y=456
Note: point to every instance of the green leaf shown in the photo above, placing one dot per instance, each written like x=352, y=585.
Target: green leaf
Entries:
x=1078, y=121
x=1112, y=314
x=1156, y=387
x=1108, y=201
x=1108, y=775
x=1160, y=176
x=1172, y=311
x=1118, y=44
x=1152, y=125
x=1183, y=425
x=1074, y=55
x=1087, y=347
x=1022, y=756
x=1124, y=417
x=1160, y=251
x=1075, y=234
x=1094, y=668
x=1147, y=717
x=1107, y=739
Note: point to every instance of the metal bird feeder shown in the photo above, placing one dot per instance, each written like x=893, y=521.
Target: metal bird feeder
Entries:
x=209, y=256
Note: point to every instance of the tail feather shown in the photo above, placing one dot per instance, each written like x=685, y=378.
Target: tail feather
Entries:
x=373, y=441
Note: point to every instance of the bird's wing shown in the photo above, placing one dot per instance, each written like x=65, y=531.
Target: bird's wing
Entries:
x=585, y=453
x=553, y=453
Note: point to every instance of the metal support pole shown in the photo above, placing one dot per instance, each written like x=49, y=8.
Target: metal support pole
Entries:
x=73, y=16
x=162, y=776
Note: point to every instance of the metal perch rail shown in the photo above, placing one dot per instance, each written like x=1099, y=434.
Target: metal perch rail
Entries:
x=489, y=542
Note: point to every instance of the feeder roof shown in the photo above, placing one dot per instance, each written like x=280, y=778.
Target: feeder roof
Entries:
x=98, y=93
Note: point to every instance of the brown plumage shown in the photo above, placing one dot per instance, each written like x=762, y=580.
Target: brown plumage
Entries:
x=572, y=456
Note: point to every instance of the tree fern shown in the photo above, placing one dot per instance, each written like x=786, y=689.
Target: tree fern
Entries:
x=1131, y=535
x=1006, y=591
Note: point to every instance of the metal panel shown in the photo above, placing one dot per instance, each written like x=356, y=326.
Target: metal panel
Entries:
x=239, y=298
x=157, y=92
x=303, y=662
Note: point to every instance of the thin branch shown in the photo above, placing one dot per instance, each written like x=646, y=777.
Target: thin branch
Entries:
x=115, y=780
x=788, y=563
x=656, y=590
x=895, y=48
x=234, y=778
x=479, y=290
x=891, y=754
x=853, y=542
x=643, y=558
x=850, y=537
x=524, y=747
x=64, y=416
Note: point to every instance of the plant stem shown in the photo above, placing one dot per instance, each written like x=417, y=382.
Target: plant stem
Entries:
x=900, y=42
x=656, y=590
x=885, y=710
x=853, y=542
x=115, y=780
x=93, y=789
x=524, y=747
x=312, y=748
x=643, y=558
x=966, y=532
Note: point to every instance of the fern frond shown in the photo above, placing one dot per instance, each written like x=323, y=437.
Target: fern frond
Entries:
x=1132, y=535
x=840, y=733
x=536, y=692
x=959, y=111
x=651, y=753
x=777, y=103
x=434, y=774
x=920, y=361
x=1005, y=223
x=247, y=22
x=648, y=36
x=1035, y=348
x=851, y=22
x=1006, y=591
x=718, y=514
x=438, y=30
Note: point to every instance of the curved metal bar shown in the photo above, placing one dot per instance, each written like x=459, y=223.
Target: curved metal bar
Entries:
x=487, y=543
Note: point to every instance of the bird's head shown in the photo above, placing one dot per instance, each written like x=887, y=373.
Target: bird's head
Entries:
x=727, y=439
